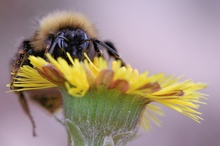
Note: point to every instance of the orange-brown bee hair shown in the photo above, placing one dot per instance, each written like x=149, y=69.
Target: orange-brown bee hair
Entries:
x=53, y=22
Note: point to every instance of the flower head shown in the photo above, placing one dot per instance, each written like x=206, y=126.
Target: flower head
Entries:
x=97, y=78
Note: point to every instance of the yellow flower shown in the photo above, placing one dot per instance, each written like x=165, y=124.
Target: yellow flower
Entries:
x=181, y=96
x=97, y=78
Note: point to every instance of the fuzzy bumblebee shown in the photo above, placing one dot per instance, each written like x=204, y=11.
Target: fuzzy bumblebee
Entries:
x=58, y=33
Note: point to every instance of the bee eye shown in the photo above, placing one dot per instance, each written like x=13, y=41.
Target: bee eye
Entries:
x=84, y=44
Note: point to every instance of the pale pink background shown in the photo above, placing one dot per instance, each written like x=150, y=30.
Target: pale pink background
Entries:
x=178, y=37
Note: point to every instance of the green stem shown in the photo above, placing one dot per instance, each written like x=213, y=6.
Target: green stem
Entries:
x=69, y=139
x=102, y=117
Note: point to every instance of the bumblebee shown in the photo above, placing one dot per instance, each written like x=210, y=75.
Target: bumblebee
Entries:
x=57, y=34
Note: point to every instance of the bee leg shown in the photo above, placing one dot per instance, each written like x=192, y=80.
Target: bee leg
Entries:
x=20, y=59
x=100, y=54
x=26, y=109
x=107, y=47
x=110, y=44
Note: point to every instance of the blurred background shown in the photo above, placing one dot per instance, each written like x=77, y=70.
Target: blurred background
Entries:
x=177, y=37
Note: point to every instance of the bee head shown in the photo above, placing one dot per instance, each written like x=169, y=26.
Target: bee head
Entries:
x=64, y=31
x=73, y=41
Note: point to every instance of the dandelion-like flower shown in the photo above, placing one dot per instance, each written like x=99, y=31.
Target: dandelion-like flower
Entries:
x=105, y=105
